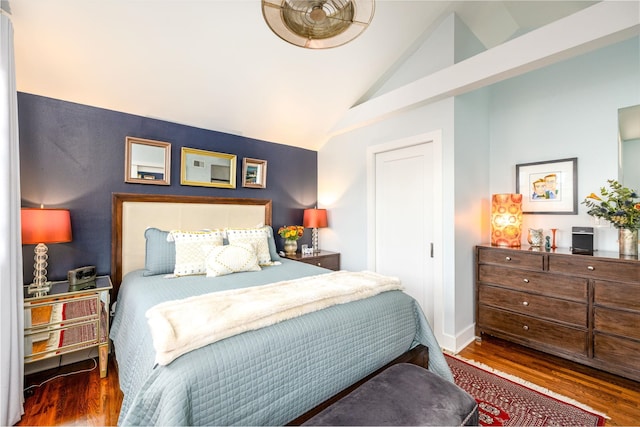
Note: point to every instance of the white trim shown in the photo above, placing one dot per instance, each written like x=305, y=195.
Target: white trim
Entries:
x=597, y=26
x=434, y=137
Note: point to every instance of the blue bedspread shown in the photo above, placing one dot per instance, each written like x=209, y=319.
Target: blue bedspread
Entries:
x=264, y=377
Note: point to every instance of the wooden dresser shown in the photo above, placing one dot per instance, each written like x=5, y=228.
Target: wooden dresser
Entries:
x=580, y=307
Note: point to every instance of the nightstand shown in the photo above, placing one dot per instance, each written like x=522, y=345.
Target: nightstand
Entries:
x=325, y=259
x=66, y=320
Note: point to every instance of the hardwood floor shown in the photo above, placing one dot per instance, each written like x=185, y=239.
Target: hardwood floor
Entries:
x=85, y=399
x=77, y=399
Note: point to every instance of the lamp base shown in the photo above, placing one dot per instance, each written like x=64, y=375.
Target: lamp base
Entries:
x=314, y=240
x=38, y=290
x=40, y=286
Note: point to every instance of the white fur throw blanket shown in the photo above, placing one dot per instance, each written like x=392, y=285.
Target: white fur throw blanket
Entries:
x=178, y=327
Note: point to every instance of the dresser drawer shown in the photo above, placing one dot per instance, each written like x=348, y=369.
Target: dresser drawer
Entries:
x=511, y=258
x=622, y=323
x=617, y=295
x=586, y=266
x=529, y=329
x=574, y=288
x=331, y=262
x=534, y=305
x=618, y=352
x=53, y=312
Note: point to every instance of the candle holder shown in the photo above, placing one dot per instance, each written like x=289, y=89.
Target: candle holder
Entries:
x=553, y=243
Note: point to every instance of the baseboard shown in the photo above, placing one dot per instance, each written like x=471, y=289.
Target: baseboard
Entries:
x=466, y=337
x=455, y=344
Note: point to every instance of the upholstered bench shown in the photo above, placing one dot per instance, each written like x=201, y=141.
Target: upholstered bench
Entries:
x=403, y=394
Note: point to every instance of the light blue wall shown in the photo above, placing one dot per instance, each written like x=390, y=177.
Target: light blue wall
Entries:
x=569, y=109
x=565, y=110
x=342, y=178
x=471, y=154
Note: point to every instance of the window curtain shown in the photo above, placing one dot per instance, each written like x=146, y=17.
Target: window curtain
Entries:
x=11, y=297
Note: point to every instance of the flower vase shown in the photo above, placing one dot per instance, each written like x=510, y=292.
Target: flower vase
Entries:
x=628, y=242
x=290, y=247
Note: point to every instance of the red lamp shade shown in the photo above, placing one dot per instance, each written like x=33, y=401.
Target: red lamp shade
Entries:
x=314, y=218
x=45, y=226
x=506, y=219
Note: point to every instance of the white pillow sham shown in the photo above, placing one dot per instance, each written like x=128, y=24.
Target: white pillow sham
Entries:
x=256, y=236
x=231, y=258
x=192, y=248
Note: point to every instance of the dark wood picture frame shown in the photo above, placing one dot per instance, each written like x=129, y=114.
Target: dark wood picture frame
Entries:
x=147, y=161
x=254, y=173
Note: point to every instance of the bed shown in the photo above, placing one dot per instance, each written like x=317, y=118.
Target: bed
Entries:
x=265, y=376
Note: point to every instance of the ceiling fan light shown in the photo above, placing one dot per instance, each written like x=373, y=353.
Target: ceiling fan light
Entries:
x=318, y=24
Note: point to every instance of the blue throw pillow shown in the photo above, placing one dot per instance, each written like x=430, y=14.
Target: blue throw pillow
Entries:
x=160, y=255
x=272, y=244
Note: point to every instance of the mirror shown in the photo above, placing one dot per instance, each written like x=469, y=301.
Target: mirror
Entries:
x=629, y=147
x=207, y=168
x=147, y=161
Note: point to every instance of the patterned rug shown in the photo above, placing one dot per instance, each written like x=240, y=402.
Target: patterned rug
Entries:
x=503, y=402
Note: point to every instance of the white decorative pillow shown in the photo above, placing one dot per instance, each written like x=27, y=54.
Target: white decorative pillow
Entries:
x=232, y=258
x=192, y=248
x=257, y=236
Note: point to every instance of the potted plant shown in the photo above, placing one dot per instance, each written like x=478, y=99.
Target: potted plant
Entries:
x=618, y=205
x=290, y=234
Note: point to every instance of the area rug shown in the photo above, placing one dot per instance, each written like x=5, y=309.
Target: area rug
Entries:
x=513, y=402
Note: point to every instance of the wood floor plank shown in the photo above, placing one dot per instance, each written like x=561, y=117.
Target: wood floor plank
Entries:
x=86, y=399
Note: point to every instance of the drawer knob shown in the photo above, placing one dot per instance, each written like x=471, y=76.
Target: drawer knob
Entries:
x=525, y=327
x=525, y=303
x=525, y=280
x=507, y=258
x=319, y=264
x=591, y=268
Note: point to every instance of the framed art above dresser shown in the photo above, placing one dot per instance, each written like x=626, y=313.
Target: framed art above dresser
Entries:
x=579, y=307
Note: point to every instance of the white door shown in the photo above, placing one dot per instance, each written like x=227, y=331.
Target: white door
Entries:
x=404, y=220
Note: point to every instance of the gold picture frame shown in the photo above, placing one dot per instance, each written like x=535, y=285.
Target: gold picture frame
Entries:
x=254, y=173
x=147, y=161
x=207, y=168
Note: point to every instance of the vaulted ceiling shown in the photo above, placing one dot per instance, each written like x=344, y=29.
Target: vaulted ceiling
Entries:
x=216, y=65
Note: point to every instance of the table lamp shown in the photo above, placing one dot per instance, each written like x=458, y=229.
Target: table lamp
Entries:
x=315, y=218
x=506, y=219
x=41, y=226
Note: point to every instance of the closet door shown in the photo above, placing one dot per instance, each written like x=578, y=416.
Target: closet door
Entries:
x=404, y=219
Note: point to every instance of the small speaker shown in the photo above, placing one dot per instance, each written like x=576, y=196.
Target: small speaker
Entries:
x=582, y=240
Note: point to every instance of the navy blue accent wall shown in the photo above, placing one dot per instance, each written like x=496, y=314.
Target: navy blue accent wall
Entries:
x=72, y=156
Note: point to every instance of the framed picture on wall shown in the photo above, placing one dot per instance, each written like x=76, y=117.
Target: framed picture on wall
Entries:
x=207, y=168
x=254, y=173
x=548, y=187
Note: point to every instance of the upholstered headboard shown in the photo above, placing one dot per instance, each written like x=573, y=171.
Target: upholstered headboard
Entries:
x=132, y=214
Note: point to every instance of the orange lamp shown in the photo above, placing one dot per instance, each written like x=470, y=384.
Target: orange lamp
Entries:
x=506, y=219
x=315, y=218
x=40, y=226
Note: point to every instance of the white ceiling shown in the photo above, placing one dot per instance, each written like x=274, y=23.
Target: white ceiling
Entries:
x=216, y=65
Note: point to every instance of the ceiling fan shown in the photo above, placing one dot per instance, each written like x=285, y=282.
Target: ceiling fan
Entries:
x=318, y=24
